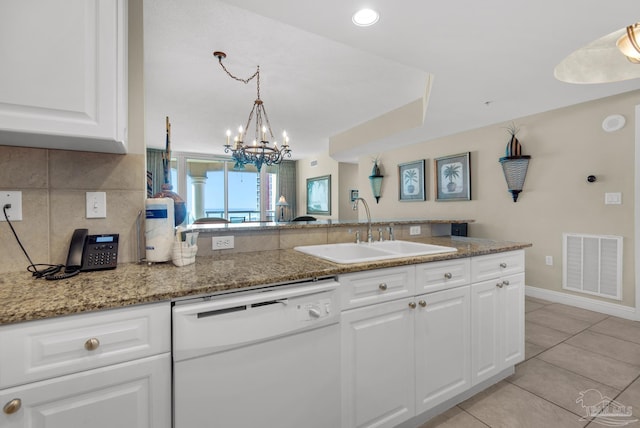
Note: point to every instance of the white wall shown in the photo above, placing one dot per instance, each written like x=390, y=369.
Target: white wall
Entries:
x=566, y=146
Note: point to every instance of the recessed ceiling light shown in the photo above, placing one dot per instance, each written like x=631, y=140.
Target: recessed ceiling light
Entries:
x=365, y=17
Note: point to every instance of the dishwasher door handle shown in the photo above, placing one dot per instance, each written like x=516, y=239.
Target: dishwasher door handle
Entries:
x=225, y=311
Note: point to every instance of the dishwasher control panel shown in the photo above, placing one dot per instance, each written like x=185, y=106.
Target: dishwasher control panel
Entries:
x=311, y=311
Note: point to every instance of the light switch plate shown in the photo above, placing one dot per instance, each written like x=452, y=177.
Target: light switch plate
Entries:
x=96, y=205
x=613, y=198
x=414, y=230
x=15, y=199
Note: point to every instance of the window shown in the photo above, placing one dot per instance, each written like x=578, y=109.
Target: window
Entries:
x=214, y=189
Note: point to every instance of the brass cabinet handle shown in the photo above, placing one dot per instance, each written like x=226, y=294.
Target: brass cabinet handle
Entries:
x=505, y=282
x=448, y=275
x=382, y=286
x=91, y=344
x=12, y=406
x=422, y=303
x=500, y=285
x=503, y=265
x=412, y=305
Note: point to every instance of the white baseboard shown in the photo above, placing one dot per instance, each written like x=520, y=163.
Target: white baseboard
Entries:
x=608, y=308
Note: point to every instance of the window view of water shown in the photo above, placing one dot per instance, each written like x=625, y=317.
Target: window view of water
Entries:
x=245, y=191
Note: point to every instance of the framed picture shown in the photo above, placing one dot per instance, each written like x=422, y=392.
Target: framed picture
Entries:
x=319, y=195
x=411, y=181
x=354, y=194
x=453, y=178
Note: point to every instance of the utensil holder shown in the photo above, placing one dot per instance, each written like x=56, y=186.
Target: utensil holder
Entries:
x=183, y=253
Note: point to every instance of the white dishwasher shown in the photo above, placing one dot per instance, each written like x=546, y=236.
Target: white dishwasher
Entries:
x=269, y=358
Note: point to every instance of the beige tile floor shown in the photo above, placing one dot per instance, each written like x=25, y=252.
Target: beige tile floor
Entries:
x=569, y=351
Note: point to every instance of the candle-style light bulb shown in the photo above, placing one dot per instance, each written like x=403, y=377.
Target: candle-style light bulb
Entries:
x=240, y=132
x=264, y=133
x=228, y=136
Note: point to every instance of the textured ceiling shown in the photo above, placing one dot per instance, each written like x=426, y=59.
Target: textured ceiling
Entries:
x=488, y=62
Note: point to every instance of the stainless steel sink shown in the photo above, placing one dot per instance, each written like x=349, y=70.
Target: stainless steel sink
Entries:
x=347, y=253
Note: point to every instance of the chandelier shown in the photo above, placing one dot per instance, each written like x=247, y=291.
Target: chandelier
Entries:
x=260, y=152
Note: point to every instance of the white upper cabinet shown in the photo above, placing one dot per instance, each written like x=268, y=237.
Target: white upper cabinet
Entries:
x=63, y=79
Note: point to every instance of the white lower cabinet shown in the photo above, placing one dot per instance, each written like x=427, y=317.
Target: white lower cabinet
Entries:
x=378, y=382
x=99, y=369
x=497, y=336
x=497, y=325
x=497, y=313
x=134, y=394
x=404, y=357
x=443, y=351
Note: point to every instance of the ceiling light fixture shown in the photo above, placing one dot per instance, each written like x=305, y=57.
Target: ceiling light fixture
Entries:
x=365, y=17
x=629, y=43
x=260, y=152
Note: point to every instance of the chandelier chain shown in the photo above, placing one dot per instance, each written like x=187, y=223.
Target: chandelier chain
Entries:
x=239, y=79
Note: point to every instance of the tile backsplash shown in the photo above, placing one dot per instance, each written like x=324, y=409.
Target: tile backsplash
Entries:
x=53, y=185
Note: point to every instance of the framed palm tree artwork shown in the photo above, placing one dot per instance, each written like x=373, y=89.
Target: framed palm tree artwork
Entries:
x=453, y=177
x=411, y=175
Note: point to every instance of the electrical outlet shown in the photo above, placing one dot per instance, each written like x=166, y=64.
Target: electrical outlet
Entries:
x=414, y=230
x=222, y=242
x=13, y=198
x=96, y=204
x=548, y=260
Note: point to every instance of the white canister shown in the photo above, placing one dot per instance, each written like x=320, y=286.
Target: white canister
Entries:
x=159, y=229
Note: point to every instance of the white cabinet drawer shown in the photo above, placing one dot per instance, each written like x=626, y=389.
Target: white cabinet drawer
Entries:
x=442, y=275
x=496, y=265
x=375, y=286
x=43, y=349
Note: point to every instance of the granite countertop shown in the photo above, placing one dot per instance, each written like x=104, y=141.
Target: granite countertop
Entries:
x=24, y=298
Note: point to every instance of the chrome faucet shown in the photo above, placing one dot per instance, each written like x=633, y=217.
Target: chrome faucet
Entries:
x=366, y=207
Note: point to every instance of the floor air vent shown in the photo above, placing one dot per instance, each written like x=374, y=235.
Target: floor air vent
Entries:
x=593, y=264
